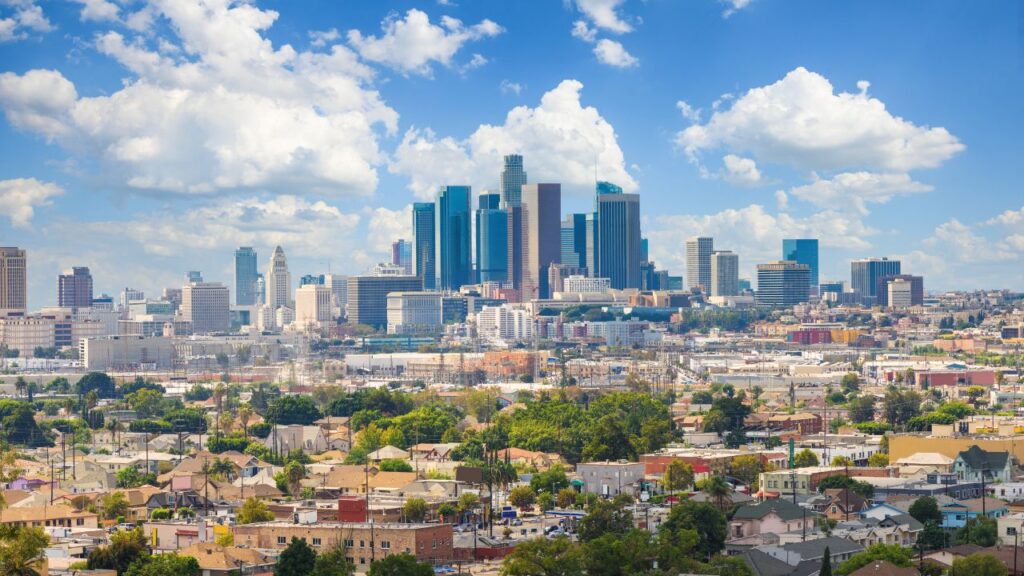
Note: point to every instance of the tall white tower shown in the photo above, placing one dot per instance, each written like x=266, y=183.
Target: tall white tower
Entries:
x=279, y=281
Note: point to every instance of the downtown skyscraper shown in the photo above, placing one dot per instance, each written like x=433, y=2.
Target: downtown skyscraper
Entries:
x=13, y=279
x=513, y=177
x=541, y=237
x=574, y=241
x=803, y=251
x=401, y=254
x=279, y=281
x=454, y=246
x=74, y=288
x=698, y=262
x=865, y=273
x=424, y=228
x=246, y=276
x=491, y=239
x=619, y=242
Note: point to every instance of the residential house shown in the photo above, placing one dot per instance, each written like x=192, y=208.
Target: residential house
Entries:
x=840, y=549
x=285, y=438
x=538, y=460
x=433, y=452
x=843, y=504
x=48, y=516
x=957, y=513
x=217, y=560
x=387, y=453
x=977, y=465
x=769, y=517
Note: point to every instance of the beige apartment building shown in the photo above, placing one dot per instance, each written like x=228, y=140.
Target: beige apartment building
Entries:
x=363, y=541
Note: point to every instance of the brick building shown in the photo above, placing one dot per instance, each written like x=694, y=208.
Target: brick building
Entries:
x=363, y=541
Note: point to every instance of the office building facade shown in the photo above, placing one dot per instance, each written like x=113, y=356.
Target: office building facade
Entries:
x=278, y=281
x=246, y=275
x=313, y=307
x=454, y=244
x=802, y=251
x=513, y=176
x=13, y=279
x=207, y=305
x=864, y=274
x=368, y=297
x=424, y=229
x=491, y=240
x=401, y=254
x=414, y=312
x=541, y=237
x=914, y=285
x=725, y=273
x=74, y=288
x=574, y=240
x=698, y=263
x=619, y=241
x=782, y=284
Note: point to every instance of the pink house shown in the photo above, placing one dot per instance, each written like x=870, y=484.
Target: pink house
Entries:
x=769, y=517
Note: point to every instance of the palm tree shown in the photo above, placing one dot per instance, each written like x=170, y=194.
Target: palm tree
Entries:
x=218, y=396
x=112, y=427
x=717, y=488
x=245, y=414
x=21, y=385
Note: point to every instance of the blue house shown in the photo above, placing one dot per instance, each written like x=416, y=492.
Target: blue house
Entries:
x=956, y=514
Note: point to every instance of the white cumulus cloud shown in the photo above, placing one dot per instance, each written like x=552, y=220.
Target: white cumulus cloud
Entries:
x=313, y=229
x=27, y=17
x=19, y=197
x=801, y=121
x=739, y=170
x=561, y=140
x=235, y=112
x=413, y=43
x=858, y=189
x=605, y=15
x=99, y=11
x=614, y=54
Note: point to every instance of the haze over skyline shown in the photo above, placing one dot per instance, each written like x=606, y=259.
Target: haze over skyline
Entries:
x=144, y=139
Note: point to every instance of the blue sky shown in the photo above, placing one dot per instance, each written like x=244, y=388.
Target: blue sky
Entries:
x=147, y=138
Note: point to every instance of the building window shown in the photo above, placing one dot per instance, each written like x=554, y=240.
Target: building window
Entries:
x=316, y=541
x=362, y=543
x=282, y=540
x=349, y=543
x=385, y=545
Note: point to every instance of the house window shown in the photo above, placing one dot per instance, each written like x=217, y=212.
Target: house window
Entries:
x=316, y=541
x=282, y=540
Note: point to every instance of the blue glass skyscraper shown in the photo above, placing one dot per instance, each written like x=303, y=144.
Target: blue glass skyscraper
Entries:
x=424, y=242
x=574, y=240
x=246, y=275
x=491, y=240
x=802, y=251
x=618, y=236
x=454, y=247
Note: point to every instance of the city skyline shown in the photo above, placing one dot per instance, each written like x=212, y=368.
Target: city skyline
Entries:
x=688, y=138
